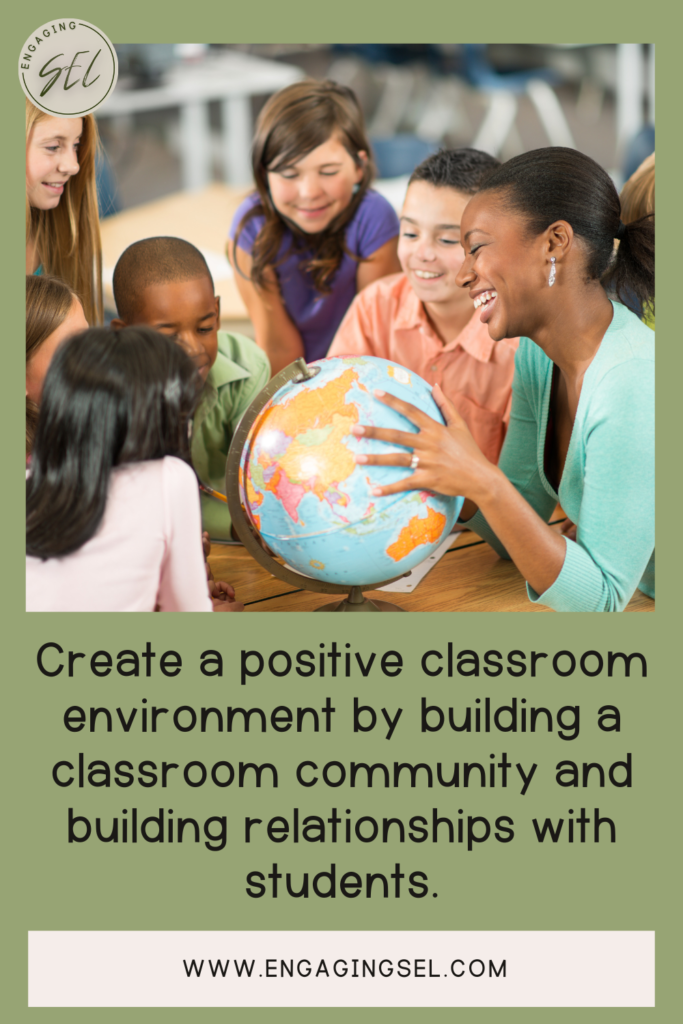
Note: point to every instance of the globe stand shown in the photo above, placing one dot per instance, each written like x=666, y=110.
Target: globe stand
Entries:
x=355, y=601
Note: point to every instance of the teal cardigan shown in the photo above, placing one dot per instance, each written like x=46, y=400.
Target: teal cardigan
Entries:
x=607, y=485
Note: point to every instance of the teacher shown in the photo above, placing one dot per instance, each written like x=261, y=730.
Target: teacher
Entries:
x=539, y=244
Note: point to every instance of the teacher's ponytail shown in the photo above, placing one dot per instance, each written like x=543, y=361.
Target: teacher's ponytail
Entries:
x=632, y=273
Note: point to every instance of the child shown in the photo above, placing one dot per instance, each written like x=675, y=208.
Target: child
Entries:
x=166, y=284
x=112, y=508
x=313, y=234
x=62, y=222
x=422, y=319
x=53, y=314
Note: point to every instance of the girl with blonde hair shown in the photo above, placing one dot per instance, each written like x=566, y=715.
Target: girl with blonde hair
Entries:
x=638, y=194
x=62, y=221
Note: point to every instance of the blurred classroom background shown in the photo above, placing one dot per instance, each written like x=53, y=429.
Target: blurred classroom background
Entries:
x=177, y=130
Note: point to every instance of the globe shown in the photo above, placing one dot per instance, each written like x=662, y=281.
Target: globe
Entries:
x=312, y=503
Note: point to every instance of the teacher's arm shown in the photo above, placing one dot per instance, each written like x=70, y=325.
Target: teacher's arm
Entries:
x=452, y=463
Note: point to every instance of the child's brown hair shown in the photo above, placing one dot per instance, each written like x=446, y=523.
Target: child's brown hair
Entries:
x=48, y=304
x=293, y=123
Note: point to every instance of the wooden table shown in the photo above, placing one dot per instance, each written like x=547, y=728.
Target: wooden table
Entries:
x=202, y=218
x=469, y=578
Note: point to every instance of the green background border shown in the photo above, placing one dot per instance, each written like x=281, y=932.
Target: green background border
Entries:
x=631, y=885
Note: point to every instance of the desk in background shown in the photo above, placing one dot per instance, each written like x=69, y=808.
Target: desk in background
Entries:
x=232, y=78
x=203, y=218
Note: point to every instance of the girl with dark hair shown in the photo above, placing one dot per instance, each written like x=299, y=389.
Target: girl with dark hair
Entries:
x=112, y=504
x=53, y=313
x=313, y=234
x=539, y=237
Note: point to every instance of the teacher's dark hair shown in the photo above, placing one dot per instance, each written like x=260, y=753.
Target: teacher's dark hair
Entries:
x=109, y=398
x=546, y=185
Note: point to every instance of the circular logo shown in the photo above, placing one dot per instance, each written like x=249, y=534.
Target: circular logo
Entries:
x=68, y=67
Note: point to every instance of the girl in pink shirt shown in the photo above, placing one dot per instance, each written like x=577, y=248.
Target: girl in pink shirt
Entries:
x=112, y=505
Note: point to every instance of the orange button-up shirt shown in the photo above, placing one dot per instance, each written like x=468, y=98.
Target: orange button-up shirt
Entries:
x=388, y=320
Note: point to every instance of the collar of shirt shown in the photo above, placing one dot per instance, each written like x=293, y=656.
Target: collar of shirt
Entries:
x=474, y=337
x=224, y=371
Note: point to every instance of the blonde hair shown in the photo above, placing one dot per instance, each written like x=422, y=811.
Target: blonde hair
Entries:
x=67, y=238
x=48, y=303
x=638, y=194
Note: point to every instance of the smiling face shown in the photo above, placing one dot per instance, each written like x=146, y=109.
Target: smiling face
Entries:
x=51, y=159
x=187, y=310
x=315, y=189
x=505, y=270
x=39, y=363
x=429, y=246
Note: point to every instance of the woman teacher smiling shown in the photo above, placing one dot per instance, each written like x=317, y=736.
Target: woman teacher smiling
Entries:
x=538, y=238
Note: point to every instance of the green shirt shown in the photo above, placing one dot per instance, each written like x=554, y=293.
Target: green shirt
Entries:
x=241, y=370
x=607, y=485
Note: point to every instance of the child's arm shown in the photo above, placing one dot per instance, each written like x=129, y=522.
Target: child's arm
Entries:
x=275, y=332
x=381, y=263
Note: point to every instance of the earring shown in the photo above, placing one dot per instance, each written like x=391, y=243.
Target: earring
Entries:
x=356, y=188
x=551, y=279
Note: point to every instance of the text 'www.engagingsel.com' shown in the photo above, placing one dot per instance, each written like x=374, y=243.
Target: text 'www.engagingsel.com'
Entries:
x=341, y=968
x=353, y=967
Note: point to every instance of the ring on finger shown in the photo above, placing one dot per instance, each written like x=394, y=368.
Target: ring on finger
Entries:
x=415, y=461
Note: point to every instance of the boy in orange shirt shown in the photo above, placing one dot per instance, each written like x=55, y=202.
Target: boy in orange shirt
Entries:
x=421, y=319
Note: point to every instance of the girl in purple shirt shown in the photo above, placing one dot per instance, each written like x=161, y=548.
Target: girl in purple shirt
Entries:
x=313, y=234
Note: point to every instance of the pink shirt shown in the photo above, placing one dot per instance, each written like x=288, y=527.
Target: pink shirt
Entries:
x=147, y=551
x=388, y=320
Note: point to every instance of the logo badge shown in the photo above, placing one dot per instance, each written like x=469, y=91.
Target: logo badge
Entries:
x=68, y=67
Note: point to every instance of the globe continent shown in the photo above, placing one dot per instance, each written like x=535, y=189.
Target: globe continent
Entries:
x=309, y=499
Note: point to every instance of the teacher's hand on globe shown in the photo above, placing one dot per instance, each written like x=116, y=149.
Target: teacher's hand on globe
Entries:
x=449, y=460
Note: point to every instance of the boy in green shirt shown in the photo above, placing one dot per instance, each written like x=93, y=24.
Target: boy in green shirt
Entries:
x=166, y=284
